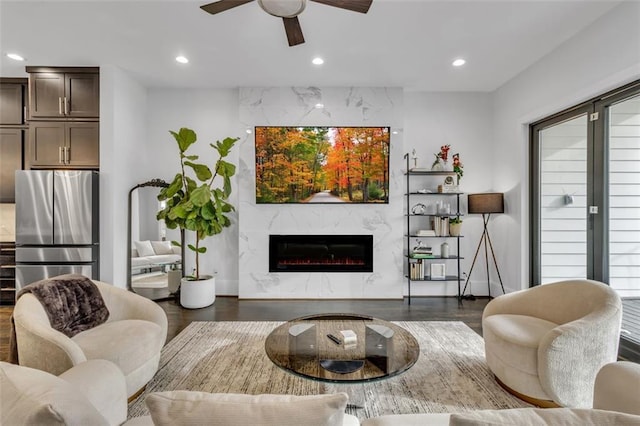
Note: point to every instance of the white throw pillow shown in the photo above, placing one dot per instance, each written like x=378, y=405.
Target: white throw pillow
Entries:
x=33, y=397
x=162, y=247
x=222, y=409
x=543, y=417
x=144, y=248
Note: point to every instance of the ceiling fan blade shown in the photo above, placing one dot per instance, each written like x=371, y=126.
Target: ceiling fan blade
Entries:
x=361, y=6
x=293, y=30
x=222, y=5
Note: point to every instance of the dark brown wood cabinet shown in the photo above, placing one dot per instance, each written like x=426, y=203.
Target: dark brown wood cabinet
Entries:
x=64, y=93
x=13, y=133
x=64, y=144
x=7, y=273
x=11, y=159
x=12, y=103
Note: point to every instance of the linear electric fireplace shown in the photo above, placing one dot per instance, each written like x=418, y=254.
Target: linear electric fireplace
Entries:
x=320, y=253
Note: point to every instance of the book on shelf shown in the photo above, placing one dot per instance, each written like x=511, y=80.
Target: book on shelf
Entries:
x=422, y=256
x=416, y=270
x=426, y=233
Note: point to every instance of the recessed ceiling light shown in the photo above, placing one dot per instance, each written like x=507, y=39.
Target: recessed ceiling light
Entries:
x=15, y=57
x=182, y=59
x=317, y=61
x=319, y=105
x=458, y=62
x=249, y=131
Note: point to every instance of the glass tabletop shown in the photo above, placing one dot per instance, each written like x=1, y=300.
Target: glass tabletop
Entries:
x=364, y=348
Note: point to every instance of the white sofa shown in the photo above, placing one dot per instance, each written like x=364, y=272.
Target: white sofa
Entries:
x=147, y=254
x=132, y=337
x=93, y=393
x=616, y=401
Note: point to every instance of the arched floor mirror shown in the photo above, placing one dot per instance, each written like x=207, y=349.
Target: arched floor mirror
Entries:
x=154, y=265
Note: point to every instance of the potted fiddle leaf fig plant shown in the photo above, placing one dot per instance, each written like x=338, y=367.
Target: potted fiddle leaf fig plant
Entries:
x=195, y=201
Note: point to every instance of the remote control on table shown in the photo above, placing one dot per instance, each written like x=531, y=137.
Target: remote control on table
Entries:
x=334, y=339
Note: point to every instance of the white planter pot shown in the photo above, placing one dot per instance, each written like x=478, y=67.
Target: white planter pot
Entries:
x=198, y=294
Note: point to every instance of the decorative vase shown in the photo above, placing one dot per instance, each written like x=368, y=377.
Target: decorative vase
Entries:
x=454, y=229
x=437, y=166
x=198, y=294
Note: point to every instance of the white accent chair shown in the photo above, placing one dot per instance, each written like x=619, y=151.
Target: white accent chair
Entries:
x=547, y=343
x=131, y=338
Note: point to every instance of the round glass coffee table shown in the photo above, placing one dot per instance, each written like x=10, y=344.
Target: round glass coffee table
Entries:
x=303, y=347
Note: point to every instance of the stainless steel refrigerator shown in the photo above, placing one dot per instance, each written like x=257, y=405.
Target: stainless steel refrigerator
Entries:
x=57, y=229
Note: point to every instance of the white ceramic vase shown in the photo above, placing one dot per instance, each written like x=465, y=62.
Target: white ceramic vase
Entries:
x=198, y=294
x=454, y=229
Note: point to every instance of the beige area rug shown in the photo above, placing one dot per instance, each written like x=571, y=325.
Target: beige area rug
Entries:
x=450, y=376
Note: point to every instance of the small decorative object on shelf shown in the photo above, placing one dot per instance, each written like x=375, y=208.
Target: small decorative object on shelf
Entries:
x=438, y=271
x=444, y=250
x=455, y=226
x=457, y=167
x=441, y=163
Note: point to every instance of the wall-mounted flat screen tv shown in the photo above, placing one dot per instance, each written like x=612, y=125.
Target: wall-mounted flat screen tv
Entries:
x=322, y=164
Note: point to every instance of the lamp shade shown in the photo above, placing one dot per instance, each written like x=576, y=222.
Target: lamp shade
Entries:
x=489, y=202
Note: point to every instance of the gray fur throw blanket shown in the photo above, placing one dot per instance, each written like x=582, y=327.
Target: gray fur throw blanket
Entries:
x=72, y=302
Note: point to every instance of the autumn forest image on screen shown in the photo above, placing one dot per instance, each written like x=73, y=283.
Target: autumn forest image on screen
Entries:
x=322, y=164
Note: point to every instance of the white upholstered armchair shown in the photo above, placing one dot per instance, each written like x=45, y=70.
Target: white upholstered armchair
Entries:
x=131, y=338
x=546, y=344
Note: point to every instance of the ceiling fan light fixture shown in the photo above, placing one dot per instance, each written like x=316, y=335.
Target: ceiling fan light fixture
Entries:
x=283, y=8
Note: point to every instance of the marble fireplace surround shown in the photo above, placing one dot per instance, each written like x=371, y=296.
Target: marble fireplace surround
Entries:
x=298, y=106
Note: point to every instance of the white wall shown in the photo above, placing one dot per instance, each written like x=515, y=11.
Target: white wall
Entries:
x=123, y=103
x=600, y=58
x=463, y=120
x=213, y=115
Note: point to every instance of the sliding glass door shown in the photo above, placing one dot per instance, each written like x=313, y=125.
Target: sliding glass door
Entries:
x=563, y=186
x=585, y=200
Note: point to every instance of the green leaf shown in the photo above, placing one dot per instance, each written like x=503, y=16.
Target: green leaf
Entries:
x=185, y=138
x=224, y=168
x=203, y=172
x=176, y=243
x=208, y=212
x=172, y=189
x=191, y=157
x=201, y=195
x=225, y=146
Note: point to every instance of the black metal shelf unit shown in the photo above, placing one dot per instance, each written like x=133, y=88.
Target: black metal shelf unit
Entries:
x=410, y=198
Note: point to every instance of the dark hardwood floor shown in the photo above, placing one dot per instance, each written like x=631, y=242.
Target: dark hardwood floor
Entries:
x=232, y=309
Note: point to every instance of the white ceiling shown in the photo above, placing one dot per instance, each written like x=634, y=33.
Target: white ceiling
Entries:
x=399, y=43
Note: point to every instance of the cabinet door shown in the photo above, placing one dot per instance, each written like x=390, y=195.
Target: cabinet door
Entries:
x=11, y=145
x=11, y=104
x=46, y=94
x=46, y=143
x=82, y=95
x=82, y=144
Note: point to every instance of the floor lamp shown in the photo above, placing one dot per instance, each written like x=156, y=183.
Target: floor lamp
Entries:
x=485, y=204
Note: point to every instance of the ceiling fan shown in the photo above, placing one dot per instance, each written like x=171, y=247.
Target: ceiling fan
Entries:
x=288, y=10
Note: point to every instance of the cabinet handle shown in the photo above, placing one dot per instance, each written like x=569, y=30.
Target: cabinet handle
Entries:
x=60, y=105
x=66, y=106
x=60, y=159
x=67, y=155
